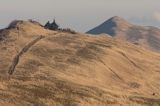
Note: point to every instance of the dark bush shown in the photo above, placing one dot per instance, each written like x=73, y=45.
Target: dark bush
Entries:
x=68, y=30
x=13, y=24
x=3, y=34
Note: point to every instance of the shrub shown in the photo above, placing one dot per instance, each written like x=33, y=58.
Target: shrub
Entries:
x=13, y=24
x=68, y=30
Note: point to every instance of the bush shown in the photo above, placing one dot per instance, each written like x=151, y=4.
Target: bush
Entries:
x=68, y=30
x=3, y=34
x=13, y=24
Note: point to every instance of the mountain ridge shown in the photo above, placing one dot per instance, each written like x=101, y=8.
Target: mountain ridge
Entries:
x=146, y=36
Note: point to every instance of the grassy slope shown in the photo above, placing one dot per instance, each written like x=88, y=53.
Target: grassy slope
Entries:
x=69, y=70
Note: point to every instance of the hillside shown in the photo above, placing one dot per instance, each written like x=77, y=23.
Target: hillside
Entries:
x=146, y=36
x=40, y=67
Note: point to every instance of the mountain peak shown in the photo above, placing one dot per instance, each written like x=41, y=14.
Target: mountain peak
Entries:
x=20, y=23
x=118, y=21
x=25, y=28
x=110, y=26
x=117, y=18
x=118, y=27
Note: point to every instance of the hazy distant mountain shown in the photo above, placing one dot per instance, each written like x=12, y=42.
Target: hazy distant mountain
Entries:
x=146, y=36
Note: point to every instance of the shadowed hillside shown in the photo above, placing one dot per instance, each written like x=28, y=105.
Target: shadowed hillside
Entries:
x=64, y=69
x=146, y=36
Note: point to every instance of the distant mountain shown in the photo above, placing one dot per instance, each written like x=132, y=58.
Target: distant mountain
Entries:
x=146, y=36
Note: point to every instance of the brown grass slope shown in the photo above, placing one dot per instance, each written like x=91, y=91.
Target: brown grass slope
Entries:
x=63, y=69
x=146, y=36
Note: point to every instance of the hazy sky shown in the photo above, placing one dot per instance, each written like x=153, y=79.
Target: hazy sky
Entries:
x=80, y=15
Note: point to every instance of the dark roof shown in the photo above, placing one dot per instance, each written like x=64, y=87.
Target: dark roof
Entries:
x=47, y=24
x=52, y=25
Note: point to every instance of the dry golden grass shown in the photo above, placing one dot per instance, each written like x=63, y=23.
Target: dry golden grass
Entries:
x=76, y=70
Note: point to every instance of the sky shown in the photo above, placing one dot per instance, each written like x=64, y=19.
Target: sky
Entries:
x=80, y=15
